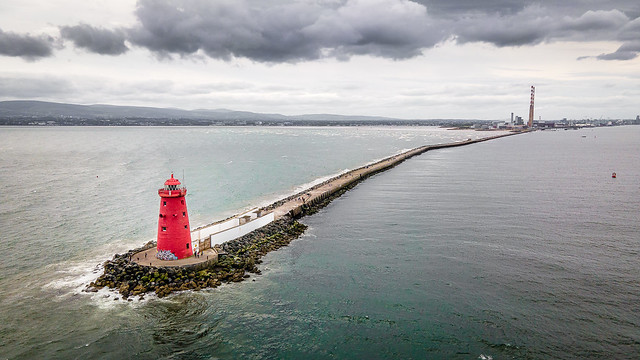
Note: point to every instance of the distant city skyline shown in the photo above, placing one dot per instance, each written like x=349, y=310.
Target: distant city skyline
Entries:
x=395, y=58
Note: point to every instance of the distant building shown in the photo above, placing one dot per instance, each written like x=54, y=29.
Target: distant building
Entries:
x=546, y=124
x=519, y=120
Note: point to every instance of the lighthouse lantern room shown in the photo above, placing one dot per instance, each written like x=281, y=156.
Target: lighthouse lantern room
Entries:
x=174, y=234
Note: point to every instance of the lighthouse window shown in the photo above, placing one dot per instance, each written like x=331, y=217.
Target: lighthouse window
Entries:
x=164, y=203
x=182, y=202
x=187, y=245
x=164, y=228
x=184, y=214
x=185, y=226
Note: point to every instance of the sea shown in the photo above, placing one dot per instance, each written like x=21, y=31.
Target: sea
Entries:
x=523, y=247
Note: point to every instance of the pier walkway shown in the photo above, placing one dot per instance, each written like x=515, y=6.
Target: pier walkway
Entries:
x=293, y=205
x=148, y=258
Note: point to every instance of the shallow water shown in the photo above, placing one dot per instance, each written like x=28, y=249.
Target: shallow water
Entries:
x=522, y=247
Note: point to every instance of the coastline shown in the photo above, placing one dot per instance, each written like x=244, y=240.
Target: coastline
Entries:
x=243, y=254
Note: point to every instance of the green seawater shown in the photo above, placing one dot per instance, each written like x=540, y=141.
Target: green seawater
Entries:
x=521, y=247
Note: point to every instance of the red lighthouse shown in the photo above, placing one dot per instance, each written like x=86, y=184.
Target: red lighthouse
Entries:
x=174, y=234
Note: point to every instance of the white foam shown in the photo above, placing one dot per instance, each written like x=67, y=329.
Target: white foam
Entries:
x=104, y=299
x=70, y=278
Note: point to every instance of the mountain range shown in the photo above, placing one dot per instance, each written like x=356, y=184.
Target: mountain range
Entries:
x=42, y=109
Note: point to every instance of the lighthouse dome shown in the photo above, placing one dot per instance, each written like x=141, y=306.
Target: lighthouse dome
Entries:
x=172, y=181
x=172, y=184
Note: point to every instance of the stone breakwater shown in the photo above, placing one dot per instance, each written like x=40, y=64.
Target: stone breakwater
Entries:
x=242, y=254
x=131, y=279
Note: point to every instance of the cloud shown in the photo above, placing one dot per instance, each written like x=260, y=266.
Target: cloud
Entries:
x=630, y=35
x=284, y=32
x=535, y=24
x=455, y=9
x=34, y=87
x=627, y=51
x=595, y=21
x=392, y=29
x=221, y=29
x=276, y=31
x=97, y=40
x=631, y=31
x=26, y=46
x=527, y=27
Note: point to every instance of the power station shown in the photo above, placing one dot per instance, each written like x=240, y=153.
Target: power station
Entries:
x=533, y=93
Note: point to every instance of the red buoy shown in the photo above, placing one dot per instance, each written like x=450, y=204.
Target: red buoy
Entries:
x=613, y=175
x=174, y=234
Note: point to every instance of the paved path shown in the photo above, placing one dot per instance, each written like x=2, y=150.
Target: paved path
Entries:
x=332, y=185
x=148, y=258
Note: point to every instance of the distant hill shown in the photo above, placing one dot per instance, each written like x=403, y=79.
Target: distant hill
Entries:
x=42, y=109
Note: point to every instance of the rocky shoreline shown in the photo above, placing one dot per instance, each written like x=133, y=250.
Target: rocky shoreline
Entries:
x=131, y=279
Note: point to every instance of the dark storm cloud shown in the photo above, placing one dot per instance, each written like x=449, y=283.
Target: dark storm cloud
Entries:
x=101, y=41
x=630, y=36
x=524, y=28
x=630, y=31
x=274, y=31
x=26, y=46
x=284, y=31
x=460, y=8
x=535, y=24
x=627, y=51
x=222, y=29
x=457, y=8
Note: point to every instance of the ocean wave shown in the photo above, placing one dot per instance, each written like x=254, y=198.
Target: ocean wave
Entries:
x=70, y=278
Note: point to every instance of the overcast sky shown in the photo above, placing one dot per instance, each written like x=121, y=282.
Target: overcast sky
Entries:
x=398, y=58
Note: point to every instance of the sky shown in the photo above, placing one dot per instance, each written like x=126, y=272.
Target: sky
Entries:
x=420, y=59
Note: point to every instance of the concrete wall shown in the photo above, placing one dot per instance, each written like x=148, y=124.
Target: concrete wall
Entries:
x=229, y=229
x=212, y=229
x=241, y=230
x=207, y=231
